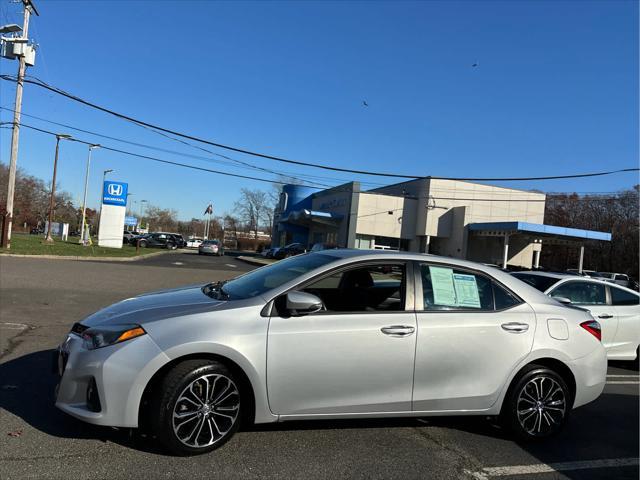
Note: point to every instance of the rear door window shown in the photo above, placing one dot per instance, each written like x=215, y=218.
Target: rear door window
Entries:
x=622, y=297
x=582, y=293
x=449, y=288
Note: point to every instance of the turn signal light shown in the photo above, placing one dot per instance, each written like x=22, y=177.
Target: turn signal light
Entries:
x=136, y=332
x=593, y=328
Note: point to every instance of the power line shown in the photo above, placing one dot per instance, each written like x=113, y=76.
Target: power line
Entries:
x=291, y=175
x=335, y=189
x=169, y=162
x=59, y=91
x=40, y=83
x=198, y=157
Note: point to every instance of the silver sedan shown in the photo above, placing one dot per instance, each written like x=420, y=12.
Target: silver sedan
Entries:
x=333, y=334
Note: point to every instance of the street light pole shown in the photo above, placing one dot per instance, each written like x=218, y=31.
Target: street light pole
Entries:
x=104, y=177
x=5, y=241
x=59, y=137
x=127, y=209
x=141, y=202
x=83, y=240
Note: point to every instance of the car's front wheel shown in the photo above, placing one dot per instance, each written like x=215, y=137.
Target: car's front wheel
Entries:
x=197, y=408
x=538, y=404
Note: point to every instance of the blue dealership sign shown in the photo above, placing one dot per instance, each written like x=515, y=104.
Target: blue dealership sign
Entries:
x=114, y=193
x=130, y=221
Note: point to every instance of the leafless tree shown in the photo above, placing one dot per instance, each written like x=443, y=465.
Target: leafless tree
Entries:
x=617, y=213
x=252, y=208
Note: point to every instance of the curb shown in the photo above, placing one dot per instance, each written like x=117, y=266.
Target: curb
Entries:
x=85, y=259
x=254, y=261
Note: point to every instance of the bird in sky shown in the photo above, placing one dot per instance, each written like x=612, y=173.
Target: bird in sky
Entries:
x=364, y=102
x=475, y=64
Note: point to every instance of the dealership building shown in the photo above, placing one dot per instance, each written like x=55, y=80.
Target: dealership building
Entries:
x=479, y=222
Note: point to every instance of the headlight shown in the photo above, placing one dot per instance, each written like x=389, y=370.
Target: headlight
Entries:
x=103, y=336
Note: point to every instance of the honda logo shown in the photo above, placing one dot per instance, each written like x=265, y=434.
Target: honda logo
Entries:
x=114, y=189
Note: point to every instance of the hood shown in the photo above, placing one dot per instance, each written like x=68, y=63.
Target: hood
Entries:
x=154, y=306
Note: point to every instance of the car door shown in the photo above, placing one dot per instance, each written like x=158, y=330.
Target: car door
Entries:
x=160, y=239
x=627, y=307
x=591, y=296
x=356, y=356
x=472, y=333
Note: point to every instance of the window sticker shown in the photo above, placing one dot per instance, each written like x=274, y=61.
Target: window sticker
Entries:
x=466, y=290
x=444, y=292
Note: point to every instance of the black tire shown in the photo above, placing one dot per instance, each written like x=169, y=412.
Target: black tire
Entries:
x=533, y=416
x=171, y=246
x=143, y=244
x=166, y=402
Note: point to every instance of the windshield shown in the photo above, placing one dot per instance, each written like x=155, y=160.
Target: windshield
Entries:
x=538, y=281
x=267, y=278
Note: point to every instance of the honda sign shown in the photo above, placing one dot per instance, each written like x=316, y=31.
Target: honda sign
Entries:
x=114, y=193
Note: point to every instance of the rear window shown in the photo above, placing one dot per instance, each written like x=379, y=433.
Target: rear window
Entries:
x=622, y=297
x=537, y=281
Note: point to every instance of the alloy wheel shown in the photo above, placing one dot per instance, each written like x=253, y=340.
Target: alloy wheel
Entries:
x=206, y=410
x=541, y=406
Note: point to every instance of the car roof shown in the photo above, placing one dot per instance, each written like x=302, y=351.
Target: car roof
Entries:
x=353, y=253
x=547, y=274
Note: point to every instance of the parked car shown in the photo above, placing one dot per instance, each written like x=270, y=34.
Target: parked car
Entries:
x=342, y=333
x=211, y=247
x=318, y=247
x=617, y=308
x=127, y=235
x=180, y=241
x=584, y=273
x=619, y=278
x=157, y=240
x=270, y=252
x=289, y=251
x=36, y=231
x=194, y=242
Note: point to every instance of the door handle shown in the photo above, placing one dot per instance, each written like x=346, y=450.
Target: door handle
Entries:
x=398, y=330
x=605, y=315
x=515, y=327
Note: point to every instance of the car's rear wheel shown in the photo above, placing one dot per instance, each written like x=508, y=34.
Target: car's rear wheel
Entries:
x=171, y=246
x=538, y=404
x=143, y=244
x=197, y=408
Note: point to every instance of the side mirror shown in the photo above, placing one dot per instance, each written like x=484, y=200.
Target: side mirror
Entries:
x=564, y=300
x=302, y=303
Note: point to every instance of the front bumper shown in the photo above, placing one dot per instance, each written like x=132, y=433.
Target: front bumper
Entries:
x=590, y=374
x=120, y=372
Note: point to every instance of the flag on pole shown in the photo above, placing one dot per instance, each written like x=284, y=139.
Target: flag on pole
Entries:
x=209, y=210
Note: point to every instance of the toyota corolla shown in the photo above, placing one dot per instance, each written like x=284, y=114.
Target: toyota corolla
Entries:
x=333, y=334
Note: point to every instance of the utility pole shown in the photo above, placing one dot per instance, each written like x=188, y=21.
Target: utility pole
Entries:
x=5, y=241
x=84, y=201
x=59, y=137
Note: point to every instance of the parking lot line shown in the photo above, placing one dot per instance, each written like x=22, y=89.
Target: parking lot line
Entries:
x=536, y=468
x=14, y=326
x=623, y=376
x=637, y=382
x=231, y=265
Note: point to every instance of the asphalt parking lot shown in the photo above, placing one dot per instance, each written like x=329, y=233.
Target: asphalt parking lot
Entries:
x=40, y=299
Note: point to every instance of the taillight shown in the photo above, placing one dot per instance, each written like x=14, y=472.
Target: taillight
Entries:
x=593, y=328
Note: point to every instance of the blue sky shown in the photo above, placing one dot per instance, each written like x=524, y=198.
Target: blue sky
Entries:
x=555, y=92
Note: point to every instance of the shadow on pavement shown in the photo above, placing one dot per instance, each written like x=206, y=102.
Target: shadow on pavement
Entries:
x=606, y=428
